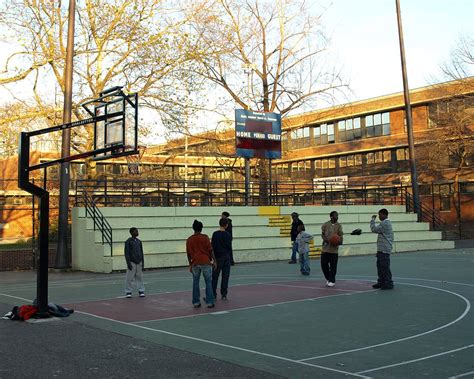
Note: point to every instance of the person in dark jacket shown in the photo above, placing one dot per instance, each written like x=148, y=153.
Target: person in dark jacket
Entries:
x=222, y=246
x=229, y=230
x=293, y=234
x=135, y=264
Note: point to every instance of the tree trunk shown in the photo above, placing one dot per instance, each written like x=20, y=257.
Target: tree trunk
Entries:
x=263, y=187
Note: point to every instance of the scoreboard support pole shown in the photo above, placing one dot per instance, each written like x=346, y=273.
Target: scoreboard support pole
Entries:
x=270, y=181
x=247, y=181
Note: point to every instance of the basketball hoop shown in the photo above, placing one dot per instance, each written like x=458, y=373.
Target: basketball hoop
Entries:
x=134, y=162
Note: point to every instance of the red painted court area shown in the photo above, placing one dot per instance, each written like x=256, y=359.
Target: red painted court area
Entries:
x=178, y=304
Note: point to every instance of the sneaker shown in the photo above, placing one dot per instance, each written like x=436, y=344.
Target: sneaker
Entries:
x=291, y=262
x=128, y=295
x=386, y=287
x=305, y=273
x=376, y=286
x=327, y=283
x=197, y=305
x=211, y=305
x=141, y=294
x=331, y=284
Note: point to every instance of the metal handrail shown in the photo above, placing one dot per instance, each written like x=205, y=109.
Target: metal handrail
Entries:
x=153, y=192
x=427, y=214
x=100, y=222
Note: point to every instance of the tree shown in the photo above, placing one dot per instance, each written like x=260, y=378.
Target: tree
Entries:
x=447, y=152
x=278, y=45
x=461, y=63
x=132, y=43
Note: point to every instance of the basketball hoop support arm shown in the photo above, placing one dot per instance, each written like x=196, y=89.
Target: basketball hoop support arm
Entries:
x=25, y=184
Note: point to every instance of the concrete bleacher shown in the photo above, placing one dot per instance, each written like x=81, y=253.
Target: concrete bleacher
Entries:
x=260, y=233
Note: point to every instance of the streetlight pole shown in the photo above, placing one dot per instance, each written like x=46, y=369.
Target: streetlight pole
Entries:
x=411, y=141
x=247, y=70
x=62, y=257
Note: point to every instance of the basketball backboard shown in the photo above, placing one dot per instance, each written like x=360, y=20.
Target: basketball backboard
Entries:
x=116, y=115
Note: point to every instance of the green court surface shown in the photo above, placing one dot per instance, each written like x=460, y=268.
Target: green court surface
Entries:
x=284, y=324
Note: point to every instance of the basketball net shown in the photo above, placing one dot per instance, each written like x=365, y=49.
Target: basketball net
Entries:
x=134, y=162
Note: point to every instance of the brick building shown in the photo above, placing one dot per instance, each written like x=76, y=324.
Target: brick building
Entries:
x=360, y=142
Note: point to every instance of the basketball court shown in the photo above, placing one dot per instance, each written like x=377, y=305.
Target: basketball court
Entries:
x=283, y=324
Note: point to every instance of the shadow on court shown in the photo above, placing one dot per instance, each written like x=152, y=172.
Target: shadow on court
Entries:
x=274, y=323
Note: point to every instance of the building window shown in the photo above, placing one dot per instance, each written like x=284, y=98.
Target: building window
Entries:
x=331, y=133
x=284, y=141
x=370, y=158
x=294, y=167
x=323, y=134
x=377, y=124
x=403, y=155
x=325, y=167
x=343, y=162
x=349, y=129
x=445, y=203
x=440, y=112
x=300, y=138
x=379, y=157
x=116, y=169
x=466, y=187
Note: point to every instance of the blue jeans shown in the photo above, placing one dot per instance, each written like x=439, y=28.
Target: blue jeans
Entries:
x=207, y=274
x=223, y=264
x=294, y=251
x=304, y=263
x=383, y=270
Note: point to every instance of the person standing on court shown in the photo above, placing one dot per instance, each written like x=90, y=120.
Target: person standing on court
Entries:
x=302, y=244
x=222, y=247
x=201, y=260
x=135, y=264
x=293, y=233
x=384, y=249
x=329, y=251
x=229, y=230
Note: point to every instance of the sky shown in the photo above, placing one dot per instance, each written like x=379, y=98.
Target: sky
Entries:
x=364, y=42
x=364, y=38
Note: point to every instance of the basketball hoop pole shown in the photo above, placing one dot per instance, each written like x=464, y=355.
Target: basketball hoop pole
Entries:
x=24, y=183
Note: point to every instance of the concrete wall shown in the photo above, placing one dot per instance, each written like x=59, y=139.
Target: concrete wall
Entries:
x=260, y=233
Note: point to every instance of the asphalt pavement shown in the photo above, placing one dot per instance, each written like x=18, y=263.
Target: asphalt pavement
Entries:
x=64, y=348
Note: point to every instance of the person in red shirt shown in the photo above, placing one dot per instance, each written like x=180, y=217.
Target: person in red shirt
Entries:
x=201, y=259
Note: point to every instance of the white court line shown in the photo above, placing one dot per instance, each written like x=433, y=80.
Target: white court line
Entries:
x=178, y=291
x=415, y=279
x=461, y=375
x=227, y=346
x=15, y=297
x=416, y=360
x=116, y=281
x=314, y=288
x=251, y=307
x=151, y=278
x=466, y=311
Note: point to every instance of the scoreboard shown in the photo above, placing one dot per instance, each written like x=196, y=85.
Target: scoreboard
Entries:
x=257, y=134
